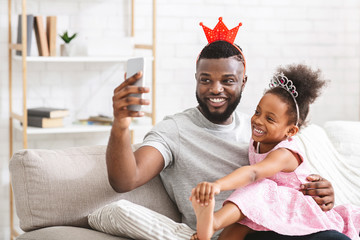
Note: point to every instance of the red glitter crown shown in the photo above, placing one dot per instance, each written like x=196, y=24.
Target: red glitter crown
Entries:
x=220, y=32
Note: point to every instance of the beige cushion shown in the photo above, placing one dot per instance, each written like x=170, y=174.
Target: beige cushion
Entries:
x=67, y=233
x=126, y=219
x=61, y=187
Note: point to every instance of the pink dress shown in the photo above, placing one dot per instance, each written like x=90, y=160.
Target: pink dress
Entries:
x=275, y=204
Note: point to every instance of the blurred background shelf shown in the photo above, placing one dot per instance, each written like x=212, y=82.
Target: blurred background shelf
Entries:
x=23, y=71
x=77, y=128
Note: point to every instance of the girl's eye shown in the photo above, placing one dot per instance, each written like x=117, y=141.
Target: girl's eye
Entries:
x=270, y=119
x=257, y=112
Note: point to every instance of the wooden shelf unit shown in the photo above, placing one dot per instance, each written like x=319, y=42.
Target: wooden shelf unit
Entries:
x=23, y=119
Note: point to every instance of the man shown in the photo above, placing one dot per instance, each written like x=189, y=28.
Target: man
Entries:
x=199, y=144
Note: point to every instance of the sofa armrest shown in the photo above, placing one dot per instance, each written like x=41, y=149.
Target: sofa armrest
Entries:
x=61, y=187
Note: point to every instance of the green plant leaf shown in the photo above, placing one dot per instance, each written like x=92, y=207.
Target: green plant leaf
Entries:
x=66, y=37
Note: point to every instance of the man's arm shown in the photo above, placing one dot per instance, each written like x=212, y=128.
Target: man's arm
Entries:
x=128, y=170
x=321, y=190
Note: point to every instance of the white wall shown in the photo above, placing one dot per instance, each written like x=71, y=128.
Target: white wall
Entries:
x=322, y=33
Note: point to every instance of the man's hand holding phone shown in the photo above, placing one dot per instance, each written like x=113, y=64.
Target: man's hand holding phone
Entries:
x=127, y=99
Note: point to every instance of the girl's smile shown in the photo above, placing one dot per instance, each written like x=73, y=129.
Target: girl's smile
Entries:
x=257, y=131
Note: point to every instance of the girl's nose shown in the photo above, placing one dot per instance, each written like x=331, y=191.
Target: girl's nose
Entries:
x=257, y=120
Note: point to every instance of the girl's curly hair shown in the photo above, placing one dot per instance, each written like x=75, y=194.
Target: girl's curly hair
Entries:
x=308, y=84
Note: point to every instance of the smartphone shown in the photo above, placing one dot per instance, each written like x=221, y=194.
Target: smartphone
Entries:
x=133, y=66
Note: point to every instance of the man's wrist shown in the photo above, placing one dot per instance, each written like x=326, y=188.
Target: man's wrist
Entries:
x=119, y=127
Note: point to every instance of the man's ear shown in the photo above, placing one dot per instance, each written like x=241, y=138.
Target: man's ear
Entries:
x=243, y=82
x=245, y=79
x=292, y=131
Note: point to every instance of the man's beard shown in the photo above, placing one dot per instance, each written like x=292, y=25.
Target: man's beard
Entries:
x=218, y=117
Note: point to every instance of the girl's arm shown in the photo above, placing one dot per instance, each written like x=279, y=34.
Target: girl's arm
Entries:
x=279, y=160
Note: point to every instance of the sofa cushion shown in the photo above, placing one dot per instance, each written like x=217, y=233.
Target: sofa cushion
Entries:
x=127, y=219
x=344, y=135
x=67, y=233
x=61, y=187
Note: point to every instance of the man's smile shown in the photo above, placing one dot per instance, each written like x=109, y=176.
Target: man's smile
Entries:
x=217, y=101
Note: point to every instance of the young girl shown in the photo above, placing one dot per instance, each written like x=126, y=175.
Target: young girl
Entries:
x=277, y=170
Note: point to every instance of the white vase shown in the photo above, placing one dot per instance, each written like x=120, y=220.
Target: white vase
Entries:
x=66, y=49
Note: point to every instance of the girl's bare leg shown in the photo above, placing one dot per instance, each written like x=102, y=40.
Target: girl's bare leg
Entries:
x=209, y=222
x=235, y=231
x=227, y=215
x=204, y=219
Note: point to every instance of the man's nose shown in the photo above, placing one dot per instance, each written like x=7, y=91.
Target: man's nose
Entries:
x=216, y=87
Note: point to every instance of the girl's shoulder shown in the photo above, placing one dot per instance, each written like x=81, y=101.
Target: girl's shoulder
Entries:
x=288, y=143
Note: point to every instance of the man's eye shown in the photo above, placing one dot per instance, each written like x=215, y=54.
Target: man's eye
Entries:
x=229, y=80
x=204, y=80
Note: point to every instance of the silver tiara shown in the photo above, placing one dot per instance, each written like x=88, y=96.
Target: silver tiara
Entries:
x=282, y=81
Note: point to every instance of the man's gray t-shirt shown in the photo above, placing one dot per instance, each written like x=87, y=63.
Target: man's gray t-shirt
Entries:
x=196, y=150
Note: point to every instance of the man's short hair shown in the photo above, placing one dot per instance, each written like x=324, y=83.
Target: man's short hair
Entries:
x=220, y=49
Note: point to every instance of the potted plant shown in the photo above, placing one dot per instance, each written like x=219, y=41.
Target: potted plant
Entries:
x=66, y=48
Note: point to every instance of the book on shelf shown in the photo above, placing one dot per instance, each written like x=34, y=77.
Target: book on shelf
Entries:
x=91, y=123
x=40, y=35
x=101, y=118
x=48, y=112
x=97, y=120
x=34, y=121
x=29, y=27
x=51, y=34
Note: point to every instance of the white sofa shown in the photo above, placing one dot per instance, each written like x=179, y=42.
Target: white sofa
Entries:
x=55, y=190
x=334, y=152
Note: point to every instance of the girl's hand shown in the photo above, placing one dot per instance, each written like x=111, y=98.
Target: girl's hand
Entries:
x=205, y=191
x=321, y=190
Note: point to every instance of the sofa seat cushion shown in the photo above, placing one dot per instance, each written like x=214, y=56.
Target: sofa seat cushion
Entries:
x=61, y=187
x=67, y=233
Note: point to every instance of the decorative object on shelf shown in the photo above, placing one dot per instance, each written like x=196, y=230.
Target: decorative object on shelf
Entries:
x=30, y=23
x=66, y=48
x=40, y=35
x=51, y=33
